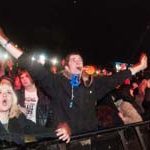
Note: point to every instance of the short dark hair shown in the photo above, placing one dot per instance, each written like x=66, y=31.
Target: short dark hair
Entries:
x=70, y=54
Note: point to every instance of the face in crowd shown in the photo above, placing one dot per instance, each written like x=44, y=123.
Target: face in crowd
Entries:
x=6, y=97
x=10, y=63
x=6, y=81
x=75, y=64
x=25, y=79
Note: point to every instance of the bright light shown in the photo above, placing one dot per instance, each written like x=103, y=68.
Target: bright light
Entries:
x=33, y=58
x=98, y=71
x=5, y=56
x=54, y=61
x=118, y=67
x=42, y=59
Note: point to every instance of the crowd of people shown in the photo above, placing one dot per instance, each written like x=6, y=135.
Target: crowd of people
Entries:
x=69, y=102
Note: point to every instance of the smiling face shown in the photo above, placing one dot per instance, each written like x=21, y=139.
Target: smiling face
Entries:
x=75, y=64
x=6, y=98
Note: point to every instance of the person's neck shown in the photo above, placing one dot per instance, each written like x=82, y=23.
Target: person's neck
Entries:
x=4, y=117
x=68, y=74
x=31, y=88
x=76, y=71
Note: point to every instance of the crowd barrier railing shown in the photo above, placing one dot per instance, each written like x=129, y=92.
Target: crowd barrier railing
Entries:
x=128, y=137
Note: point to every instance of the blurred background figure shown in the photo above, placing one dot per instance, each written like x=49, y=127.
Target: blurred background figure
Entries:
x=2, y=68
x=53, y=69
x=17, y=83
x=10, y=68
x=33, y=102
x=6, y=80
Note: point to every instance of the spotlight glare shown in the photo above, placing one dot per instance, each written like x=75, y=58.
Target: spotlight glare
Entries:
x=42, y=59
x=54, y=61
x=33, y=58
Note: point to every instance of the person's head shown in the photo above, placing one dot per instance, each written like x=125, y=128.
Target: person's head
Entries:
x=53, y=69
x=74, y=63
x=8, y=100
x=6, y=80
x=17, y=83
x=134, y=85
x=10, y=62
x=25, y=78
x=104, y=72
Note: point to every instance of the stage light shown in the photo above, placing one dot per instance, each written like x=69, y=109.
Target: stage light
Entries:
x=54, y=61
x=33, y=58
x=42, y=59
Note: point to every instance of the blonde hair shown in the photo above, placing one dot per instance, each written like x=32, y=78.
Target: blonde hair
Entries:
x=14, y=110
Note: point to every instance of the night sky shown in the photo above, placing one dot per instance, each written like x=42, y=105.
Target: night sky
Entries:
x=104, y=31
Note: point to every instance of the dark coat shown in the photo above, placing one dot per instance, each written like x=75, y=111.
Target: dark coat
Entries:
x=81, y=117
x=19, y=127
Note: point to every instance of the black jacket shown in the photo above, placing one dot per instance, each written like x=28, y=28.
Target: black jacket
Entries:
x=44, y=113
x=19, y=127
x=81, y=117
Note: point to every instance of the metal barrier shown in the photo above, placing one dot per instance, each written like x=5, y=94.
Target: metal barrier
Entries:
x=128, y=137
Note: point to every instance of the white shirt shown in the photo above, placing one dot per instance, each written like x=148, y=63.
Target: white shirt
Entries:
x=31, y=100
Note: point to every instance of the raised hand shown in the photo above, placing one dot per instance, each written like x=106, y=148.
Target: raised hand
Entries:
x=143, y=63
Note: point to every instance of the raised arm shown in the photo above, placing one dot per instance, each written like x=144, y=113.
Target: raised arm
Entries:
x=141, y=65
x=47, y=81
x=9, y=46
x=106, y=84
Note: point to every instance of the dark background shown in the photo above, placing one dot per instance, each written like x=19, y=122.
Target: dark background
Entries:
x=104, y=31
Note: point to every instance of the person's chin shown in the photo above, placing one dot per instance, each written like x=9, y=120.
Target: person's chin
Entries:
x=5, y=109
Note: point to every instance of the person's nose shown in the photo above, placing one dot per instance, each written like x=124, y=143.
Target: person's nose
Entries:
x=24, y=80
x=5, y=94
x=78, y=61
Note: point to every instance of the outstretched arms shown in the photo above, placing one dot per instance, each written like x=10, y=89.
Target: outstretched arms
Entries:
x=17, y=52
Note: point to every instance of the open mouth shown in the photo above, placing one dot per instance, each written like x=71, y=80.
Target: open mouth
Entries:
x=4, y=102
x=79, y=68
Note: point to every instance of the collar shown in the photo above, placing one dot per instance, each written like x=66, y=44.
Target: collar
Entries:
x=87, y=83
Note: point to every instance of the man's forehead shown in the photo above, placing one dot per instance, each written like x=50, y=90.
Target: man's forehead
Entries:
x=74, y=56
x=24, y=74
